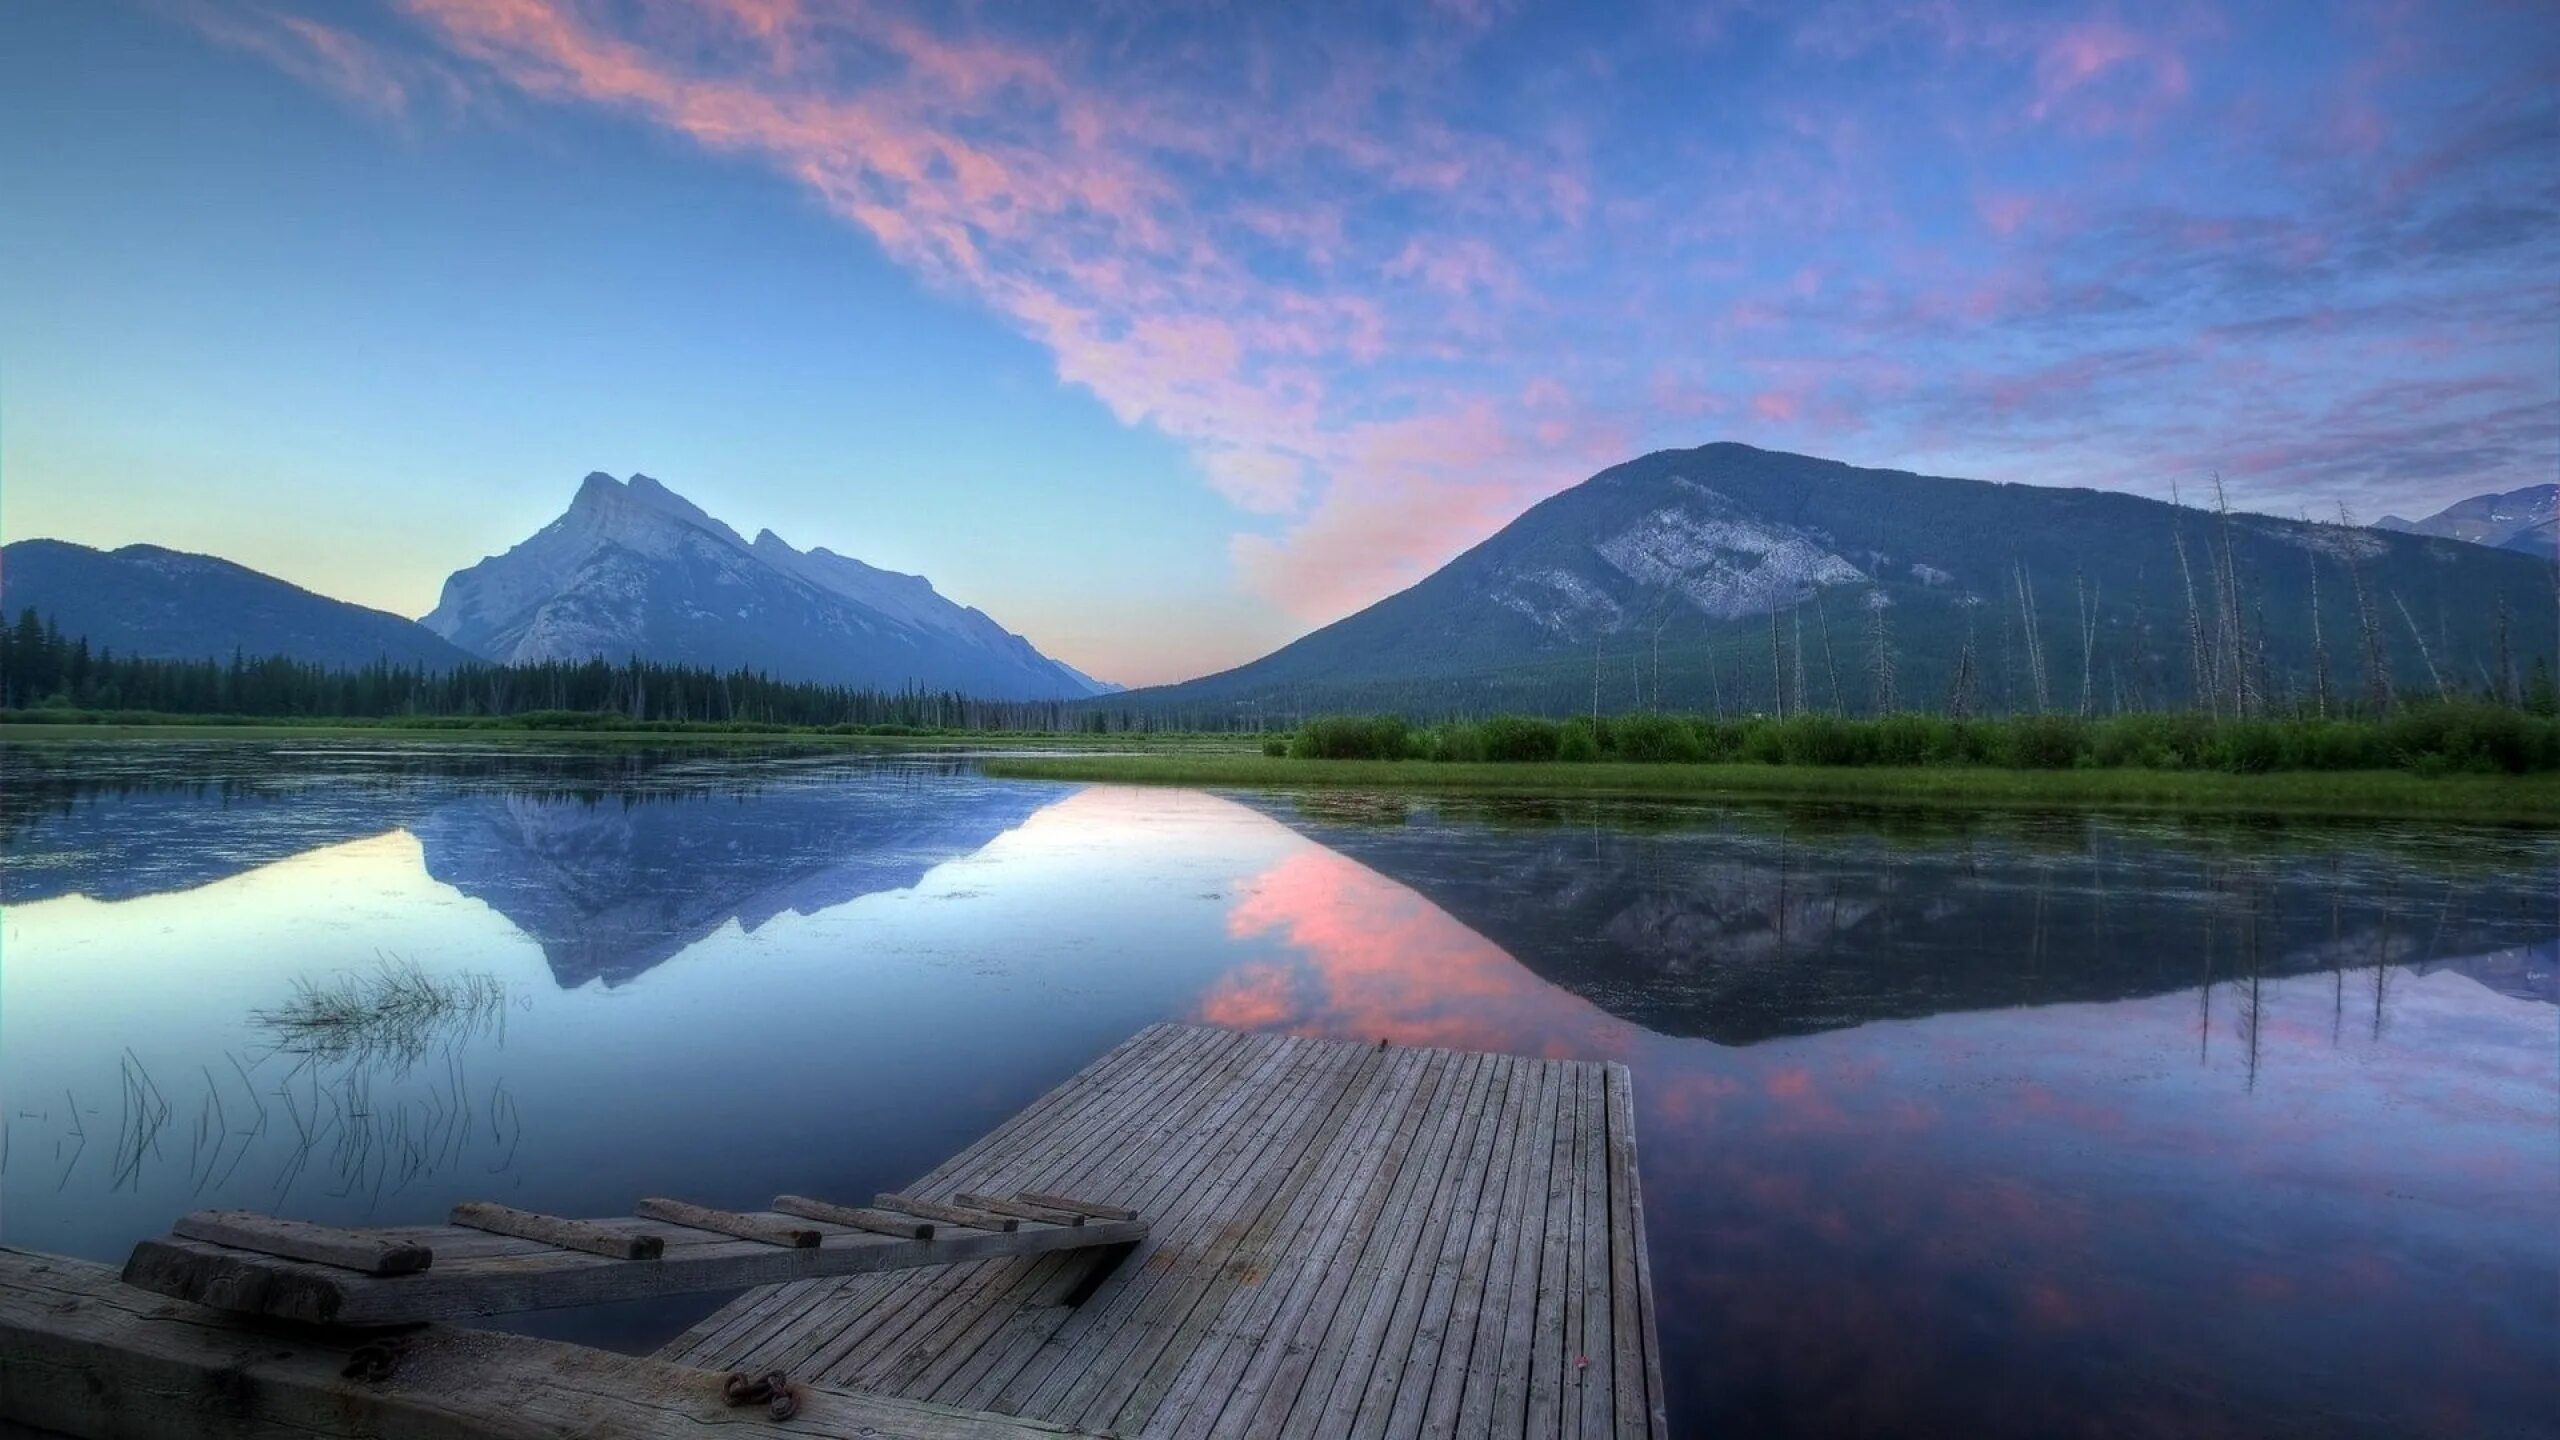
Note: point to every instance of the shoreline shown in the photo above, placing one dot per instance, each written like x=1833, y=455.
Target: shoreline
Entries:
x=2364, y=794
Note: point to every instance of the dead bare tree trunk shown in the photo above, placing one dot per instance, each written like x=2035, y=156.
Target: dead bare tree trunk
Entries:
x=2038, y=683
x=1960, y=693
x=2506, y=677
x=2206, y=687
x=1879, y=653
x=2319, y=646
x=1830, y=666
x=1777, y=668
x=1795, y=619
x=2088, y=638
x=2442, y=693
x=2377, y=670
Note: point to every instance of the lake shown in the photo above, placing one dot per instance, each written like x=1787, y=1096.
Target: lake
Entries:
x=1995, y=1124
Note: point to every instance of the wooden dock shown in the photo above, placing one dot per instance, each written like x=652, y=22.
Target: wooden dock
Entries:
x=1346, y=1240
x=1203, y=1233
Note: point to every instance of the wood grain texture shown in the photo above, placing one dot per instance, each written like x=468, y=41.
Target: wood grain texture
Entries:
x=82, y=1355
x=1340, y=1241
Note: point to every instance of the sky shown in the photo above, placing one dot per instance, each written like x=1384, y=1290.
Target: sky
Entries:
x=1167, y=332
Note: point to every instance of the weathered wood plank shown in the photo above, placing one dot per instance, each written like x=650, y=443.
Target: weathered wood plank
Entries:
x=782, y=1325
x=1394, y=1396
x=874, y=1333
x=1194, y=1111
x=854, y=1217
x=1456, y=1322
x=850, y=1330
x=1000, y=1205
x=1094, y=1208
x=1282, y=1197
x=1063, y=1377
x=1496, y=1400
x=552, y=1230
x=321, y=1295
x=84, y=1356
x=1214, y=1374
x=969, y=1215
x=1657, y=1411
x=1342, y=1241
x=764, y=1230
x=1312, y=1357
x=301, y=1240
x=1590, y=1369
x=1334, y=1412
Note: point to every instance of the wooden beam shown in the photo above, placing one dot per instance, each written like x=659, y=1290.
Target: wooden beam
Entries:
x=503, y=1276
x=552, y=1230
x=83, y=1356
x=999, y=1205
x=949, y=1214
x=1093, y=1208
x=878, y=1222
x=730, y=1222
x=302, y=1240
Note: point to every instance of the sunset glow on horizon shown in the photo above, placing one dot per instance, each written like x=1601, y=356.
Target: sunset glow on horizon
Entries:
x=1164, y=334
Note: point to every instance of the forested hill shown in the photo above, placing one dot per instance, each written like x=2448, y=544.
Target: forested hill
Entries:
x=1732, y=579
x=144, y=600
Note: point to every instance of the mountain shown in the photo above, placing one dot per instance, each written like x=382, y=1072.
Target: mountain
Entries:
x=2527, y=520
x=1726, y=578
x=637, y=570
x=167, y=604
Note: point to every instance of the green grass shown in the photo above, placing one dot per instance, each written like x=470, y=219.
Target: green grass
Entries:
x=2376, y=793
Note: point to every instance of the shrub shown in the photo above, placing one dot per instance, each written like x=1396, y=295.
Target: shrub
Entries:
x=2043, y=742
x=1275, y=745
x=1655, y=739
x=1354, y=737
x=1517, y=738
x=1577, y=740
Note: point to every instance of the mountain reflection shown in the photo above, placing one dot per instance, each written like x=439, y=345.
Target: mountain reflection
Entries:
x=612, y=860
x=612, y=889
x=1745, y=926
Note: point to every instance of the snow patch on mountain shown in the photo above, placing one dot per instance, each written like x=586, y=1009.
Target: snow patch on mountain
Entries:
x=638, y=570
x=1559, y=601
x=1727, y=566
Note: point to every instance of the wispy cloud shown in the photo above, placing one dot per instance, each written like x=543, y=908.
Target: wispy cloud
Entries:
x=1389, y=278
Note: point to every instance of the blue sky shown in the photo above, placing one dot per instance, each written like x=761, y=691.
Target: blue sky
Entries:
x=1163, y=333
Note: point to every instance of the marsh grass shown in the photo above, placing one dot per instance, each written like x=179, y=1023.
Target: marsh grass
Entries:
x=389, y=1017
x=2346, y=793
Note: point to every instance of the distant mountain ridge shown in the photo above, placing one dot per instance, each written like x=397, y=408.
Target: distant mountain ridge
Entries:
x=1737, y=579
x=157, y=603
x=637, y=571
x=2526, y=520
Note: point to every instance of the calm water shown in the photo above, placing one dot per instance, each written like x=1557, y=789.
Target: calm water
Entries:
x=1987, y=1125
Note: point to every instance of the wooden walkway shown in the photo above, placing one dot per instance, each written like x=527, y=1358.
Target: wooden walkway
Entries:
x=1344, y=1240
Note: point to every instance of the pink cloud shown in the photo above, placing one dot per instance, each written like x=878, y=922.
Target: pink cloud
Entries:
x=327, y=58
x=2099, y=76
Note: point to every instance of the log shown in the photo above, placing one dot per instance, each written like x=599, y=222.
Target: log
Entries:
x=878, y=1222
x=302, y=1240
x=729, y=1222
x=83, y=1356
x=523, y=1275
x=999, y=1205
x=1093, y=1208
x=950, y=1214
x=552, y=1230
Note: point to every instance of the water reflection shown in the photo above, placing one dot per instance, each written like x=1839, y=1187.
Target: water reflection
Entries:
x=1741, y=926
x=1988, y=1126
